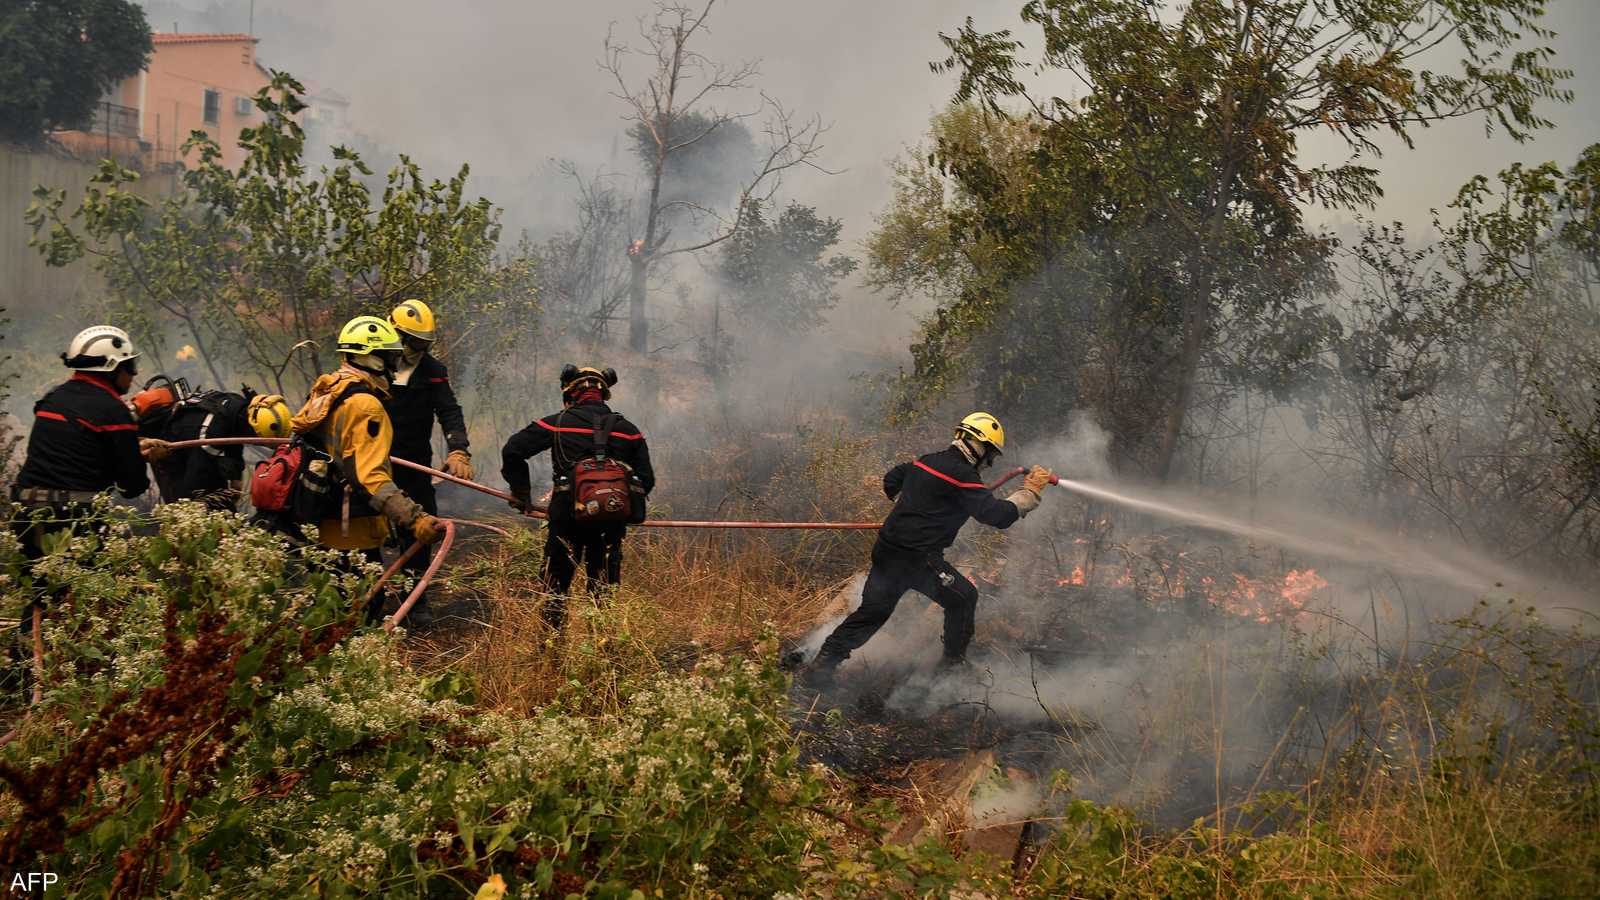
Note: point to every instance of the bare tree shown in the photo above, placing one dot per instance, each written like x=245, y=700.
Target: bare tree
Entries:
x=586, y=279
x=681, y=81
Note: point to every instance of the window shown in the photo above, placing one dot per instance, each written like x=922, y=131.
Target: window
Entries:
x=213, y=106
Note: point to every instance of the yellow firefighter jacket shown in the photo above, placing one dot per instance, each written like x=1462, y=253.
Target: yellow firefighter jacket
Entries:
x=358, y=437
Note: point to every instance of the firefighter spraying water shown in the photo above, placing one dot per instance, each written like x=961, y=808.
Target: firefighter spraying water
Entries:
x=934, y=496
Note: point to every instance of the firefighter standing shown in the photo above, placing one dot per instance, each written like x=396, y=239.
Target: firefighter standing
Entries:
x=419, y=394
x=167, y=413
x=569, y=435
x=83, y=442
x=345, y=419
x=934, y=496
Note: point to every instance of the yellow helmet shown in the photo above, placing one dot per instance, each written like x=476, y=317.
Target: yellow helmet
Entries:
x=269, y=416
x=413, y=317
x=984, y=428
x=368, y=334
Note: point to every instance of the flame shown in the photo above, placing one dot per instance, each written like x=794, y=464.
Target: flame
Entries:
x=185, y=353
x=1265, y=599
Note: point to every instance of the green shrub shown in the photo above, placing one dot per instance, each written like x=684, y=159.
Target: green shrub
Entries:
x=214, y=724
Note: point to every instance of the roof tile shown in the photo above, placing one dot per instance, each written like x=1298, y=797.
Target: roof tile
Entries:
x=191, y=38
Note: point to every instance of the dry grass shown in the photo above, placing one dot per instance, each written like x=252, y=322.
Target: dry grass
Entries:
x=683, y=594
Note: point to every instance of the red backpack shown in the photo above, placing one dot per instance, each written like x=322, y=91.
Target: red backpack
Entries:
x=299, y=480
x=601, y=491
x=272, y=490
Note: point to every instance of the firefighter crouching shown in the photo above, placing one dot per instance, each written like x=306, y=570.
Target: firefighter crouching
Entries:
x=167, y=413
x=601, y=467
x=934, y=496
x=345, y=419
x=420, y=393
x=83, y=441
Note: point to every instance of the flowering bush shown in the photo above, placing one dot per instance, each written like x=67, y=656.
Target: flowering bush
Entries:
x=214, y=725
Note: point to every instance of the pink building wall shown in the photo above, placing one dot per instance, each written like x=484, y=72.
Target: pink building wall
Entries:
x=171, y=94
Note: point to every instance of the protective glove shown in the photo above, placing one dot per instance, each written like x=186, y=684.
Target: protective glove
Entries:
x=154, y=450
x=521, y=500
x=459, y=464
x=1036, y=480
x=427, y=529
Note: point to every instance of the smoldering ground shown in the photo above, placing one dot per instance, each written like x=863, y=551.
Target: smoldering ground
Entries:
x=1181, y=671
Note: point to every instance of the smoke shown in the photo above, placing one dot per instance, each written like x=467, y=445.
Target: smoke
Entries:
x=1167, y=702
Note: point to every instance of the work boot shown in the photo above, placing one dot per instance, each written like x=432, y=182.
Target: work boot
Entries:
x=819, y=674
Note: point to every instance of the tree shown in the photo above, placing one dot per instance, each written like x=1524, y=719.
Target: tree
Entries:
x=59, y=57
x=1057, y=296
x=707, y=175
x=1182, y=153
x=671, y=120
x=260, y=266
x=777, y=270
x=585, y=278
x=1463, y=390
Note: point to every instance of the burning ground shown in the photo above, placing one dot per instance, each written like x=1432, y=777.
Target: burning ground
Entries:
x=1178, y=674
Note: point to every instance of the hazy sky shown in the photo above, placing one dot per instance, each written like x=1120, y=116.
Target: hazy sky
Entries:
x=510, y=84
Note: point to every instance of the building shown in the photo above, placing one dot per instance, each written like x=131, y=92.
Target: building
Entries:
x=195, y=82
x=326, y=120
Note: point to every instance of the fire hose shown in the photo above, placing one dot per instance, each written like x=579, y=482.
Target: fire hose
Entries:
x=539, y=512
x=534, y=512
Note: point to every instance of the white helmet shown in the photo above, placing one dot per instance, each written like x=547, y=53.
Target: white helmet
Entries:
x=99, y=348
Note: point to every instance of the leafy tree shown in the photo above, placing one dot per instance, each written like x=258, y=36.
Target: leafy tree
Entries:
x=778, y=270
x=59, y=57
x=1464, y=385
x=1058, y=295
x=261, y=265
x=1171, y=195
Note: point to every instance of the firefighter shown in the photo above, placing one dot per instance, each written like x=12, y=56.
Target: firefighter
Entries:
x=345, y=419
x=168, y=413
x=570, y=437
x=418, y=395
x=934, y=496
x=83, y=442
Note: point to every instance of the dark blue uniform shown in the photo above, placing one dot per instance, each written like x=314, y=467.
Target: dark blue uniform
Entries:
x=569, y=436
x=934, y=496
x=202, y=473
x=413, y=407
x=83, y=441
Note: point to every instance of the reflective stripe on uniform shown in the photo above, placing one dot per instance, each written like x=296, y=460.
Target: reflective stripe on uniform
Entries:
x=627, y=437
x=943, y=477
x=58, y=417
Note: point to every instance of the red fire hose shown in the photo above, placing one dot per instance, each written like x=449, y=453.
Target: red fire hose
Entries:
x=1019, y=470
x=540, y=513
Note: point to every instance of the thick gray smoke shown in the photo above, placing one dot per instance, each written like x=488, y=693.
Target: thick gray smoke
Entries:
x=1161, y=698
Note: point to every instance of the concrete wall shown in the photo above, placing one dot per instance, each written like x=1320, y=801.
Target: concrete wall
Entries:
x=46, y=305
